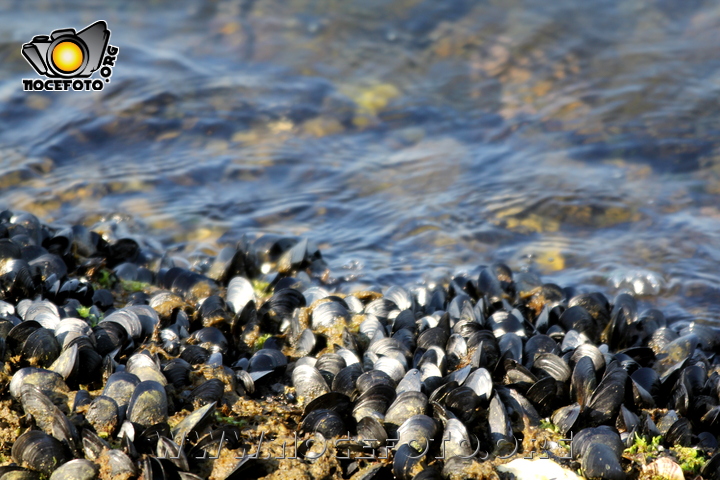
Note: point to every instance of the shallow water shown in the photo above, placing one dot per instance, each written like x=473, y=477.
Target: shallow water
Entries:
x=410, y=139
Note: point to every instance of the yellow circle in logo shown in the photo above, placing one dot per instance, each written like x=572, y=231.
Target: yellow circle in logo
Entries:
x=67, y=56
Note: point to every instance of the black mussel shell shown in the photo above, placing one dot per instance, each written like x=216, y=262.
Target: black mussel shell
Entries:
x=195, y=354
x=39, y=451
x=604, y=404
x=78, y=469
x=148, y=404
x=334, y=401
x=326, y=422
x=210, y=391
x=600, y=462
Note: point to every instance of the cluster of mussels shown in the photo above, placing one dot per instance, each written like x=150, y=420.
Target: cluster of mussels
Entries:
x=430, y=382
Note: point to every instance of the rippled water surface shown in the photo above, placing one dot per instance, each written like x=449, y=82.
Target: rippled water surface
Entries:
x=409, y=138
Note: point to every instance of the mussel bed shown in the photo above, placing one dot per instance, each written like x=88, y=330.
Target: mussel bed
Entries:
x=119, y=361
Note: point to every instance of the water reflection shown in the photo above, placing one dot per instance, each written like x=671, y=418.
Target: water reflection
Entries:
x=408, y=138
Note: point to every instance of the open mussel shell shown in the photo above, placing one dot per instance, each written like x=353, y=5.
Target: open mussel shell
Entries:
x=604, y=404
x=511, y=346
x=584, y=380
x=567, y=418
x=39, y=451
x=195, y=423
x=245, y=383
x=166, y=448
x=147, y=439
x=672, y=357
x=226, y=436
x=266, y=361
x=646, y=387
x=158, y=468
x=92, y=445
x=517, y=376
x=627, y=423
x=67, y=363
x=48, y=417
x=481, y=383
x=524, y=415
x=483, y=349
x=499, y=424
x=680, y=433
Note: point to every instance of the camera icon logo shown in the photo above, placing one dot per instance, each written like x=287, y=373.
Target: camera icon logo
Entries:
x=67, y=55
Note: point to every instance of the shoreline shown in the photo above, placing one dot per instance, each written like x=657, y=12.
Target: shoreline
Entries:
x=257, y=349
